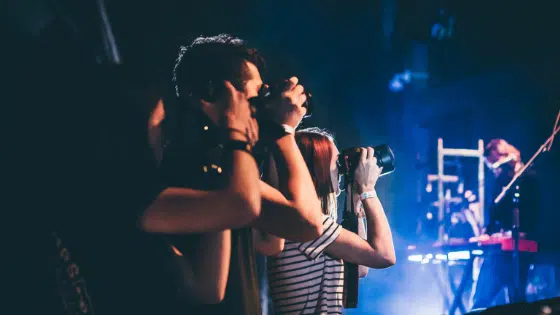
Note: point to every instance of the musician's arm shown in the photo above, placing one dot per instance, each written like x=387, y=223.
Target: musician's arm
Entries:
x=375, y=252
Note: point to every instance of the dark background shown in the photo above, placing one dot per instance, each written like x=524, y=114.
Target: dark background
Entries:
x=496, y=76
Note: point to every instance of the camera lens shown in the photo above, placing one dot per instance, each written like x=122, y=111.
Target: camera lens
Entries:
x=385, y=158
x=349, y=159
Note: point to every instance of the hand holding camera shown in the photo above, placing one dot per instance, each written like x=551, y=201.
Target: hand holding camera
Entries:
x=367, y=171
x=238, y=117
x=289, y=107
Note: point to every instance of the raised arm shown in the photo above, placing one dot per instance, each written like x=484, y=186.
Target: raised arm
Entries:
x=362, y=270
x=377, y=251
x=182, y=210
x=293, y=212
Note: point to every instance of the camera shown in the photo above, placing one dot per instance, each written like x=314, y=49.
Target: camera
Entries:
x=349, y=158
x=267, y=93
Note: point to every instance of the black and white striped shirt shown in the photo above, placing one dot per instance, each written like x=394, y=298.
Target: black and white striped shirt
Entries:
x=305, y=280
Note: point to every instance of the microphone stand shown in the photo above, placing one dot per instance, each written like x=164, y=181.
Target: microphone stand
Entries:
x=515, y=228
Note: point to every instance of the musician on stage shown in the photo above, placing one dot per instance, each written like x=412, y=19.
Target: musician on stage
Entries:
x=307, y=278
x=497, y=270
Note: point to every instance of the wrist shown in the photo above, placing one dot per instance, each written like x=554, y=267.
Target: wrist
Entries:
x=232, y=121
x=365, y=188
x=236, y=135
x=368, y=194
x=234, y=145
x=289, y=129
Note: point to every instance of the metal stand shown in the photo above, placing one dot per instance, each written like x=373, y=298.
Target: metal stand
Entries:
x=442, y=233
x=441, y=178
x=515, y=229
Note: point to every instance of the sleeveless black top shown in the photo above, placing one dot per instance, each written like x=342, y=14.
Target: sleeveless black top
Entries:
x=194, y=158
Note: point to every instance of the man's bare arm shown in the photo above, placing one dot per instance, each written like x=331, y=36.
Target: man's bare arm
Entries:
x=293, y=211
x=207, y=267
x=267, y=244
x=183, y=210
x=375, y=252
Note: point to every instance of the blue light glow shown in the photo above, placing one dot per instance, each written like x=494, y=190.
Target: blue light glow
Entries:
x=477, y=252
x=459, y=255
x=396, y=85
x=406, y=76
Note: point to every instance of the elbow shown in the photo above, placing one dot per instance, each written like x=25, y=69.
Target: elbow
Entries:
x=380, y=260
x=275, y=250
x=363, y=271
x=150, y=221
x=316, y=229
x=214, y=295
x=248, y=205
x=313, y=231
x=271, y=250
x=387, y=261
x=313, y=220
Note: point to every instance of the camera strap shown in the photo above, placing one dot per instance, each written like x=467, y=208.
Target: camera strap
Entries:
x=350, y=222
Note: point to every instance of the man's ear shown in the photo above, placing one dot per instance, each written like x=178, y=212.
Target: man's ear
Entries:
x=206, y=103
x=212, y=109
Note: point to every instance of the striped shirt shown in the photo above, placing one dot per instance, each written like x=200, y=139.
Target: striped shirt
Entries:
x=305, y=280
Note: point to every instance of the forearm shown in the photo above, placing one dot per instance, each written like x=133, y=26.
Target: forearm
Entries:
x=281, y=216
x=362, y=270
x=211, y=267
x=362, y=228
x=245, y=180
x=289, y=174
x=379, y=234
x=185, y=210
x=295, y=182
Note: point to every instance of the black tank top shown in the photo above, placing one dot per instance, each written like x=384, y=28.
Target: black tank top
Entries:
x=191, y=159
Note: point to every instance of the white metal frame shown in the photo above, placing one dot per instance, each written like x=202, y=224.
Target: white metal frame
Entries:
x=441, y=178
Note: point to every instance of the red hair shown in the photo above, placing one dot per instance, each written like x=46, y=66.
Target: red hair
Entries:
x=315, y=146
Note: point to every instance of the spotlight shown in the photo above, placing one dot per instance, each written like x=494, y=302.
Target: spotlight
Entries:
x=477, y=252
x=400, y=79
x=459, y=255
x=415, y=258
x=441, y=257
x=396, y=85
x=406, y=76
x=429, y=188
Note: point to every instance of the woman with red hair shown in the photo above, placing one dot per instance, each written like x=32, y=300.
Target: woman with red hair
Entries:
x=307, y=278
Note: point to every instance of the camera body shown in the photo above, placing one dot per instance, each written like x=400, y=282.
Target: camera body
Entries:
x=267, y=93
x=349, y=159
